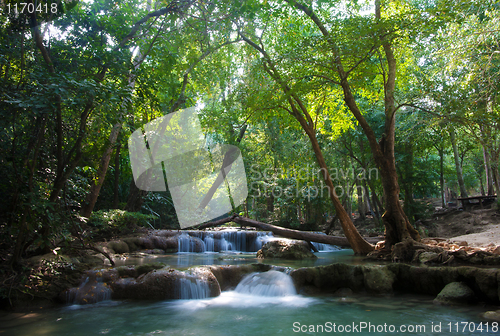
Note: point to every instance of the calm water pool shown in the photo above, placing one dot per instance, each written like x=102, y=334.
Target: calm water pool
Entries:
x=184, y=260
x=238, y=314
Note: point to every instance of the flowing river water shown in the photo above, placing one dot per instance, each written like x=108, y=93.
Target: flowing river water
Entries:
x=262, y=304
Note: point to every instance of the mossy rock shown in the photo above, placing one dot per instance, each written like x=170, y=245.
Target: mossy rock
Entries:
x=146, y=268
x=162, y=284
x=118, y=246
x=280, y=249
x=136, y=271
x=378, y=279
x=455, y=293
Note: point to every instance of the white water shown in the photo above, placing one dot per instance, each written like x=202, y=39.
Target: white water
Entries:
x=91, y=290
x=222, y=241
x=270, y=283
x=325, y=247
x=255, y=290
x=232, y=241
x=209, y=243
x=193, y=289
x=233, y=299
x=188, y=243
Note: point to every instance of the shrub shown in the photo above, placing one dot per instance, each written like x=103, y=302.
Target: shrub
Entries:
x=117, y=221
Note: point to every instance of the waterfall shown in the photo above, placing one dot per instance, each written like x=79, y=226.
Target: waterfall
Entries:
x=236, y=241
x=325, y=247
x=231, y=240
x=224, y=245
x=91, y=290
x=209, y=243
x=187, y=243
x=261, y=239
x=193, y=289
x=270, y=283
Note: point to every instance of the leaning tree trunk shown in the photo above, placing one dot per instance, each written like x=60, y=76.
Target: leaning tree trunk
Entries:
x=398, y=227
x=361, y=200
x=93, y=194
x=441, y=176
x=299, y=111
x=95, y=188
x=358, y=243
x=286, y=233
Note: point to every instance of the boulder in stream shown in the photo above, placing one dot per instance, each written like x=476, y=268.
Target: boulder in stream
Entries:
x=455, y=293
x=284, y=249
x=168, y=283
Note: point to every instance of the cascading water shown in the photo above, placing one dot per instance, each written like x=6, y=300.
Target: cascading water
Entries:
x=193, y=289
x=270, y=283
x=209, y=243
x=238, y=240
x=224, y=245
x=187, y=243
x=261, y=240
x=324, y=247
x=232, y=241
x=91, y=290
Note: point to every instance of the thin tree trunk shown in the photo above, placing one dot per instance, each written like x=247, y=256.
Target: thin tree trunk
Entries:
x=135, y=198
x=480, y=177
x=441, y=176
x=487, y=171
x=95, y=188
x=93, y=194
x=361, y=200
x=494, y=170
x=116, y=186
x=458, y=167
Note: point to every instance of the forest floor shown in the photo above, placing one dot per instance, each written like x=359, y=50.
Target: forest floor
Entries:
x=479, y=227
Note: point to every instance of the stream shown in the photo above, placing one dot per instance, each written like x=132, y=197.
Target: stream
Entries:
x=262, y=304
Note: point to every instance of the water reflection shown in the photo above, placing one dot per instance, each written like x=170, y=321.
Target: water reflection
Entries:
x=189, y=259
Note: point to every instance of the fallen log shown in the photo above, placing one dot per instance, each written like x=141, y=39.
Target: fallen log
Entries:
x=287, y=233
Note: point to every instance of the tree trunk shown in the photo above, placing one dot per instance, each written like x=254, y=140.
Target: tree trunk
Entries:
x=361, y=200
x=358, y=244
x=135, y=198
x=287, y=233
x=441, y=176
x=95, y=188
x=461, y=184
x=93, y=194
x=116, y=186
x=397, y=225
x=487, y=171
x=480, y=177
x=301, y=114
x=494, y=170
x=377, y=204
x=270, y=204
x=405, y=170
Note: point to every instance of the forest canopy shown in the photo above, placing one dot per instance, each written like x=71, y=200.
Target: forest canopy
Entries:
x=396, y=100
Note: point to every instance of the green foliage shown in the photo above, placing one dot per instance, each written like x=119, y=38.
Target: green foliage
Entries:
x=112, y=222
x=50, y=153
